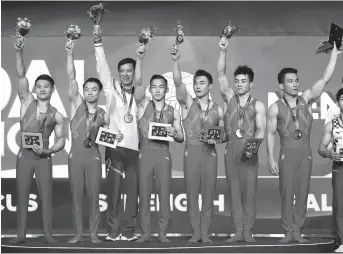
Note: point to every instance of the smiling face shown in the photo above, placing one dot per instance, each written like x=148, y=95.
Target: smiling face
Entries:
x=242, y=84
x=290, y=84
x=201, y=86
x=44, y=89
x=126, y=74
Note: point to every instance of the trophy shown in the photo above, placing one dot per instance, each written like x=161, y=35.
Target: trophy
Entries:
x=73, y=34
x=22, y=29
x=179, y=35
x=336, y=34
x=230, y=30
x=145, y=35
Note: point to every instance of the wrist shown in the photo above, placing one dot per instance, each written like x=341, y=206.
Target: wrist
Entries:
x=48, y=152
x=175, y=135
x=327, y=154
x=97, y=40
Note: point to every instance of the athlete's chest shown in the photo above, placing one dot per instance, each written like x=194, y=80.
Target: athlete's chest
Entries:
x=301, y=111
x=208, y=116
x=238, y=112
x=36, y=121
x=83, y=118
x=149, y=114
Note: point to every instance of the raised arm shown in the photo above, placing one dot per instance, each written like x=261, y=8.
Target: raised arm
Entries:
x=260, y=120
x=102, y=67
x=178, y=136
x=73, y=89
x=224, y=85
x=24, y=93
x=317, y=89
x=182, y=96
x=271, y=133
x=140, y=89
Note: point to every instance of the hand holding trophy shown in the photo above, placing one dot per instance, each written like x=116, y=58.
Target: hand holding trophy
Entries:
x=73, y=34
x=223, y=43
x=96, y=13
x=146, y=35
x=230, y=30
x=141, y=51
x=22, y=29
x=179, y=35
x=335, y=38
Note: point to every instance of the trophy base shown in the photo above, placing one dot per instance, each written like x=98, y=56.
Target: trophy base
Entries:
x=325, y=48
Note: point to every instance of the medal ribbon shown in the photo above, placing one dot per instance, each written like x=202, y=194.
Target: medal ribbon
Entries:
x=203, y=114
x=90, y=126
x=42, y=123
x=295, y=115
x=155, y=111
x=123, y=96
x=241, y=113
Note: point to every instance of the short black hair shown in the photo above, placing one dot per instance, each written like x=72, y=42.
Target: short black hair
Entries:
x=95, y=80
x=339, y=93
x=199, y=73
x=47, y=78
x=283, y=72
x=157, y=76
x=245, y=70
x=127, y=61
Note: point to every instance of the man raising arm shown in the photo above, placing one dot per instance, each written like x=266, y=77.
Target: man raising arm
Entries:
x=84, y=163
x=291, y=118
x=36, y=116
x=245, y=118
x=200, y=158
x=121, y=105
x=155, y=158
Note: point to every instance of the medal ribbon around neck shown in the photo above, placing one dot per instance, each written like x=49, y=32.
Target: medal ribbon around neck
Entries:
x=203, y=114
x=123, y=97
x=241, y=113
x=42, y=123
x=90, y=125
x=295, y=117
x=155, y=111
